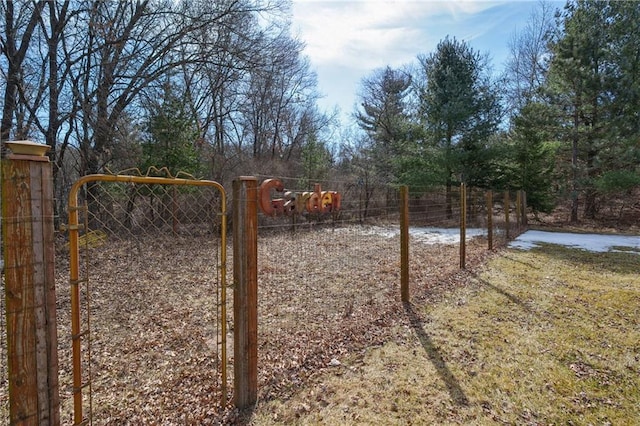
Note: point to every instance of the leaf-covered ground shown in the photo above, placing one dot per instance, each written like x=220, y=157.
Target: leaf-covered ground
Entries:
x=154, y=340
x=538, y=337
x=324, y=296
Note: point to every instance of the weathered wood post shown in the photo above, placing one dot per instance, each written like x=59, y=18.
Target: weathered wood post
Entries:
x=245, y=294
x=404, y=243
x=463, y=225
x=490, y=219
x=518, y=210
x=28, y=238
x=507, y=206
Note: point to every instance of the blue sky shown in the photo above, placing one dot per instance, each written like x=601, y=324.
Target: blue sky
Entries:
x=347, y=40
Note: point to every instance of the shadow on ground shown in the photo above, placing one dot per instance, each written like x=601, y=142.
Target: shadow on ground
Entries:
x=452, y=384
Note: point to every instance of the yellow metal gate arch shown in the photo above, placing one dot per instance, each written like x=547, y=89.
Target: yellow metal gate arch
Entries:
x=75, y=228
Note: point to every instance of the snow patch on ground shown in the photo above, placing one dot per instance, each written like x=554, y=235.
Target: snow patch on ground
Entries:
x=589, y=242
x=425, y=235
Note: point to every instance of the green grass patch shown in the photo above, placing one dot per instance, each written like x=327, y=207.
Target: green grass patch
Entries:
x=546, y=336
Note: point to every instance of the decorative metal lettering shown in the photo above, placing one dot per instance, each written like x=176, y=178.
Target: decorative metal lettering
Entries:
x=293, y=203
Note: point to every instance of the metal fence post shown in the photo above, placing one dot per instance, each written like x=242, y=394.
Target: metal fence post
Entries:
x=28, y=238
x=404, y=243
x=245, y=295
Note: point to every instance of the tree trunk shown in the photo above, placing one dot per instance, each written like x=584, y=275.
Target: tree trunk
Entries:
x=590, y=197
x=590, y=206
x=449, y=199
x=574, y=166
x=15, y=57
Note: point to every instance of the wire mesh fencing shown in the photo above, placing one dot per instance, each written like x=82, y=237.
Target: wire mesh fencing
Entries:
x=4, y=373
x=322, y=275
x=325, y=280
x=141, y=332
x=149, y=344
x=440, y=212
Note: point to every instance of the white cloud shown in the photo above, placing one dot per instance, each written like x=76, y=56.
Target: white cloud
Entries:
x=351, y=38
x=355, y=33
x=369, y=34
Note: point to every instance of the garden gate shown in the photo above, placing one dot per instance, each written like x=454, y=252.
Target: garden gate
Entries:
x=166, y=238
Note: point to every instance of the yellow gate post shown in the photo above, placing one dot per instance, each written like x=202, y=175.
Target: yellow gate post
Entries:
x=28, y=238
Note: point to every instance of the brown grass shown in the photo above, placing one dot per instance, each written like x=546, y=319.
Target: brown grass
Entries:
x=542, y=337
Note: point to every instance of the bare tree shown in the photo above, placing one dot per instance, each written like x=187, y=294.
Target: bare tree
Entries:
x=529, y=56
x=214, y=84
x=78, y=72
x=17, y=30
x=277, y=98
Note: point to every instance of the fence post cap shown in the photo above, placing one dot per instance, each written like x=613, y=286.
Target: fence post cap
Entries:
x=28, y=148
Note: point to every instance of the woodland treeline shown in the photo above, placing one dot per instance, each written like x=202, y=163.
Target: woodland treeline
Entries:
x=222, y=88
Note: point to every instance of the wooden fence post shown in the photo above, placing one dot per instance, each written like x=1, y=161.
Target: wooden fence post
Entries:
x=404, y=243
x=245, y=294
x=490, y=219
x=463, y=225
x=518, y=210
x=28, y=238
x=507, y=206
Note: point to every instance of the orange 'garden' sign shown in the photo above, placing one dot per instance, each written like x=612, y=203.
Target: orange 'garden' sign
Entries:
x=293, y=203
